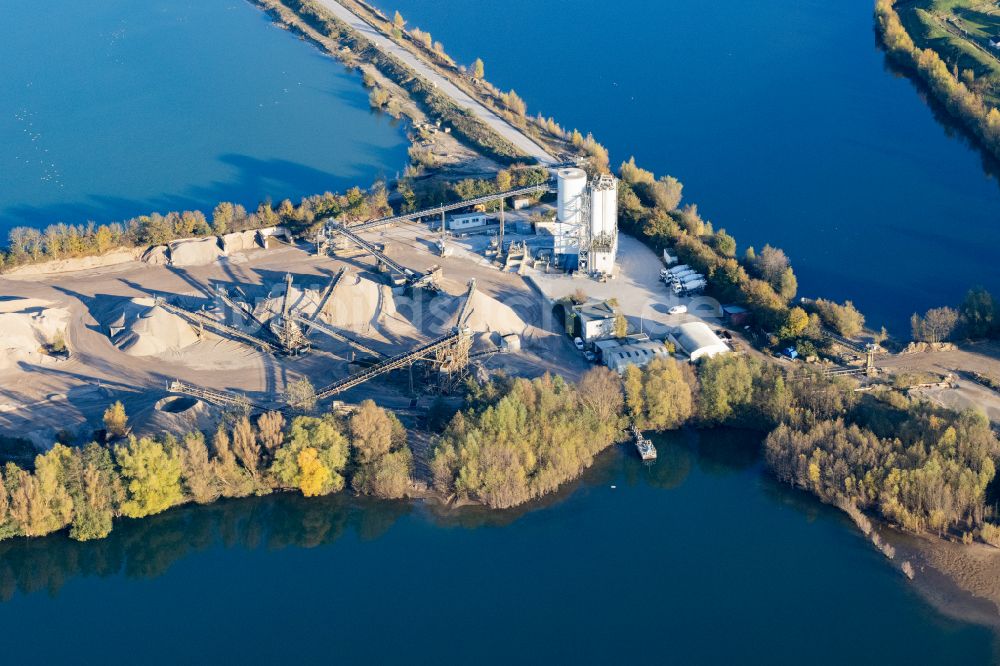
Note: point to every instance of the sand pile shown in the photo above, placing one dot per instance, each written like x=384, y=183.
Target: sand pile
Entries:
x=300, y=301
x=195, y=252
x=488, y=315
x=147, y=330
x=359, y=303
x=26, y=326
x=175, y=414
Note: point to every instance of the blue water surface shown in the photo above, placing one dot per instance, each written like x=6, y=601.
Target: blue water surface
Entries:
x=117, y=108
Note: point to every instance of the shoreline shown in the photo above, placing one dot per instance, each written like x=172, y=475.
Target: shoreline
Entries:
x=961, y=581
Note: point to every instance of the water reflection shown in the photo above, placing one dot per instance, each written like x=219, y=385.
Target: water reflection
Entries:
x=953, y=129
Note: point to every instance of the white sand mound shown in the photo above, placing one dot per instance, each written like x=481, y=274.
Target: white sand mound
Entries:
x=487, y=315
x=150, y=330
x=358, y=303
x=195, y=252
x=239, y=241
x=26, y=326
x=175, y=414
x=156, y=255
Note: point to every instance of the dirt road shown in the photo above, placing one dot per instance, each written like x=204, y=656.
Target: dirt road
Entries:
x=498, y=124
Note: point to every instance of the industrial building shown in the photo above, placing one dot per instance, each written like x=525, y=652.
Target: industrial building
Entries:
x=698, y=340
x=464, y=221
x=597, y=321
x=638, y=353
x=586, y=229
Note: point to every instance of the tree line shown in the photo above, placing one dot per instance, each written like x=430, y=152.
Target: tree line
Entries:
x=86, y=488
x=28, y=245
x=954, y=91
x=976, y=318
x=918, y=466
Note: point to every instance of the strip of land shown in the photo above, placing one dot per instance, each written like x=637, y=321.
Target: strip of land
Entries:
x=498, y=124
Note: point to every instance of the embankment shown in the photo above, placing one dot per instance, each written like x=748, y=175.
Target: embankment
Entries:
x=968, y=106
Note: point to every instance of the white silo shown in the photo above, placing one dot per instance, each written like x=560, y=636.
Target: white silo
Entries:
x=603, y=224
x=572, y=187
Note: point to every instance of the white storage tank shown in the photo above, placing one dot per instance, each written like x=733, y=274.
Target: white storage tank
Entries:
x=603, y=224
x=572, y=186
x=572, y=183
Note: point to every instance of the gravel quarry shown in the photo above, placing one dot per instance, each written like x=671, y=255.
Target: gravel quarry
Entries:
x=122, y=344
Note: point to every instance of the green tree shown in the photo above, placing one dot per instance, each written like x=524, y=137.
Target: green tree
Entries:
x=668, y=396
x=978, y=313
x=322, y=435
x=152, y=477
x=94, y=485
x=724, y=244
x=726, y=385
x=788, y=284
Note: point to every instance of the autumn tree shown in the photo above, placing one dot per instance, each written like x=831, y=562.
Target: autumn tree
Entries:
x=844, y=319
x=635, y=396
x=383, y=459
x=600, y=390
x=233, y=479
x=935, y=326
x=200, y=480
x=271, y=432
x=324, y=437
x=668, y=397
x=301, y=395
x=726, y=386
x=478, y=69
x=115, y=420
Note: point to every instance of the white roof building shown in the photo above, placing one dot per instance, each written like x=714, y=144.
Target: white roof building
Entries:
x=697, y=340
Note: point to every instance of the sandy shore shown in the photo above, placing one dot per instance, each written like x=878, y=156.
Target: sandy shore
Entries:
x=961, y=581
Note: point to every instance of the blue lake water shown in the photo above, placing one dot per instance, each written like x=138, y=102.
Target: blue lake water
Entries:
x=699, y=559
x=781, y=118
x=117, y=108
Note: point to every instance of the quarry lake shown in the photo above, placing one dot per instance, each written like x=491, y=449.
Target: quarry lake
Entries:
x=810, y=142
x=701, y=558
x=121, y=108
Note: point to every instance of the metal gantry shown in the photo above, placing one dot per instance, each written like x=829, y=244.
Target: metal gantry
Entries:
x=449, y=353
x=412, y=278
x=204, y=321
x=335, y=281
x=214, y=396
x=437, y=210
x=335, y=334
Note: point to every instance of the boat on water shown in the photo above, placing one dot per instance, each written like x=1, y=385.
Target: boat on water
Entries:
x=645, y=447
